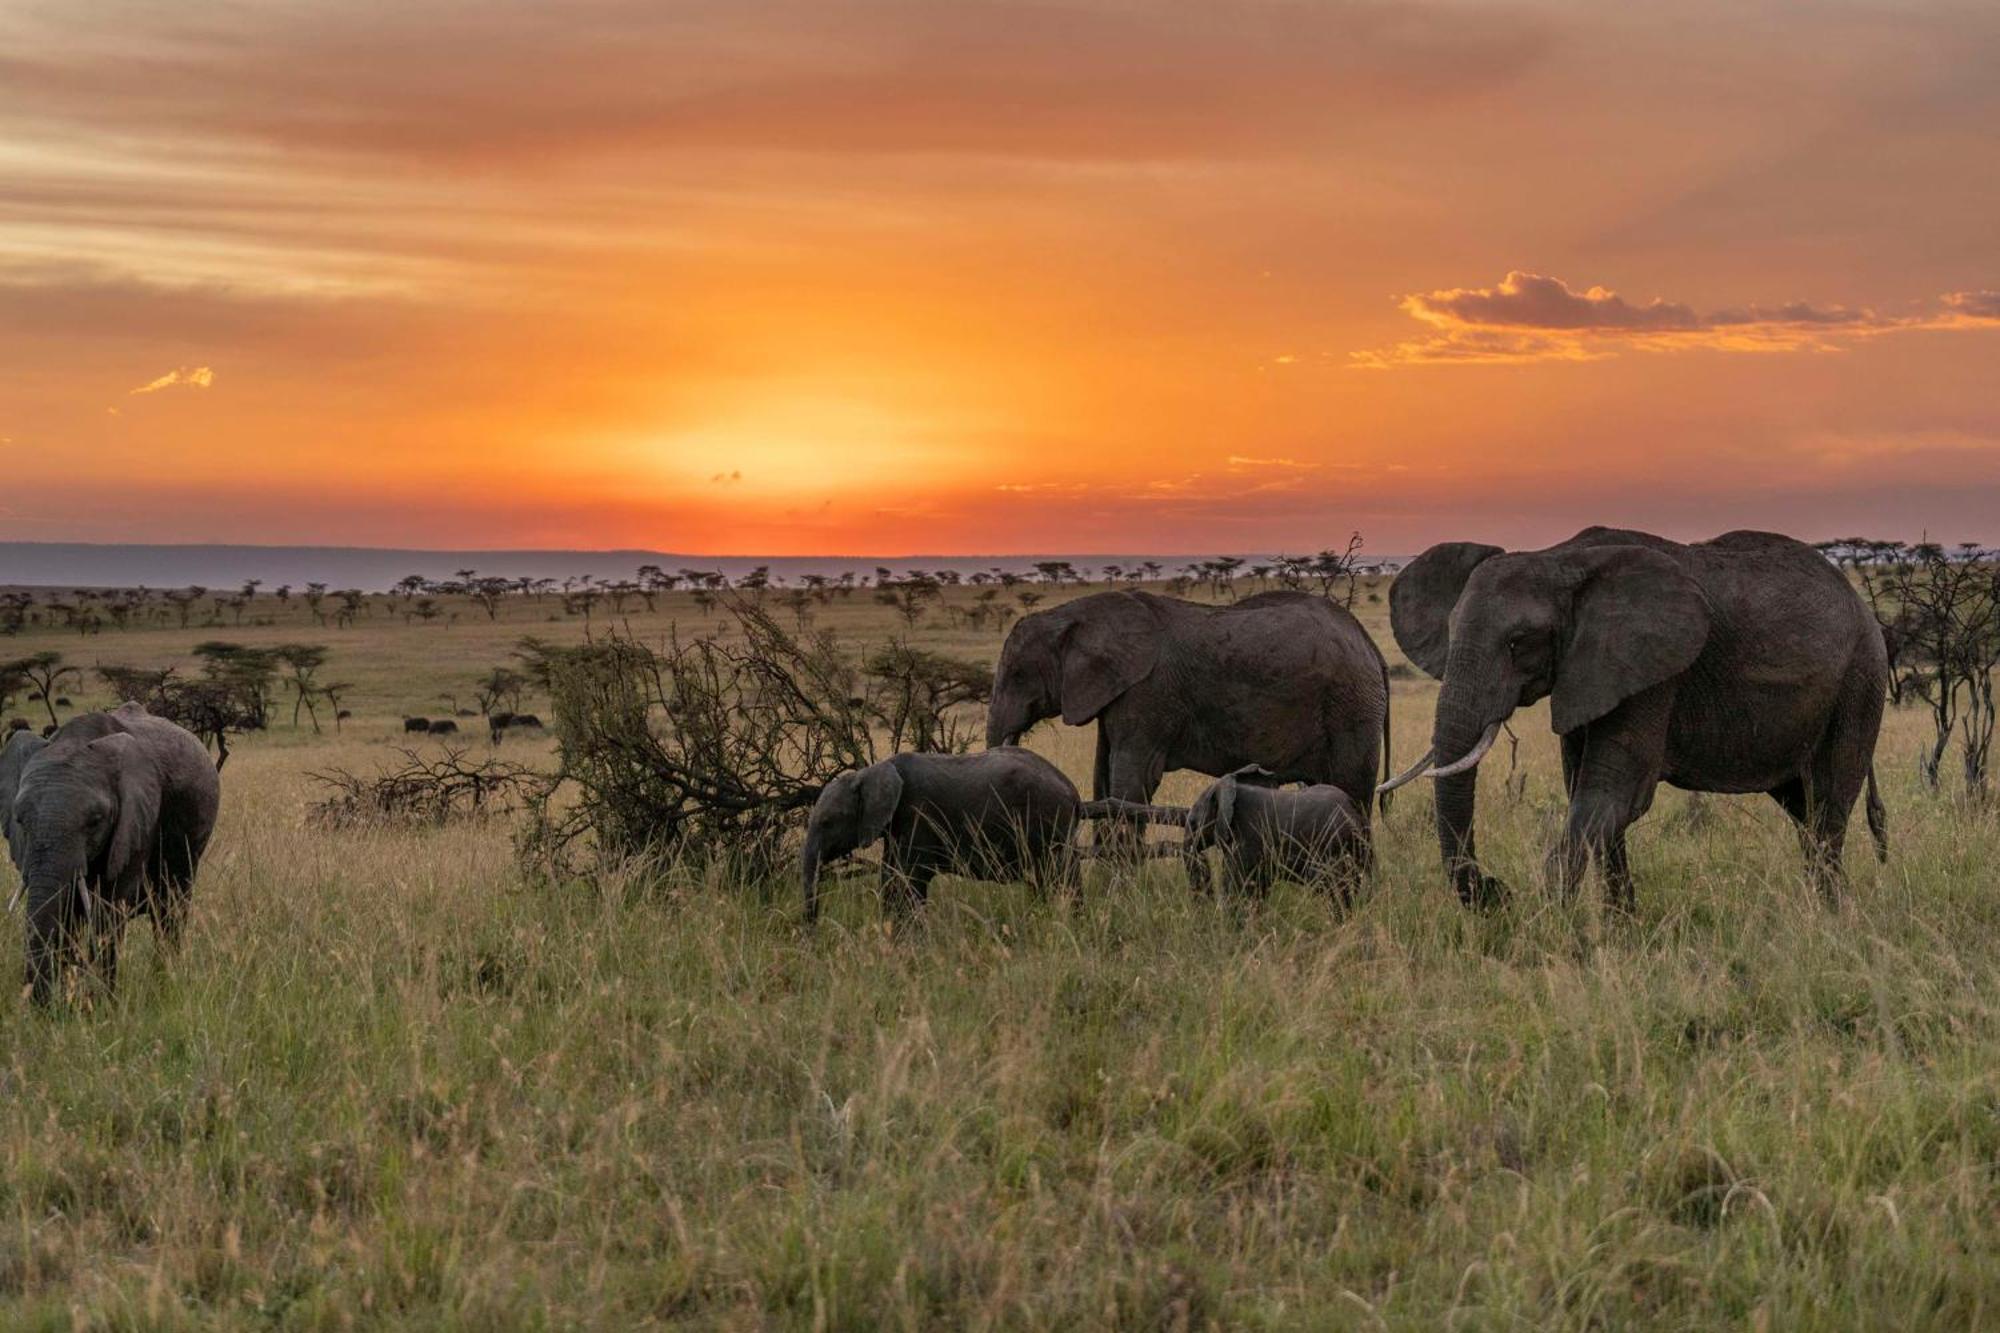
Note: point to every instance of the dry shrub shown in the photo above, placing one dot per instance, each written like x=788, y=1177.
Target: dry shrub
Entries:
x=424, y=791
x=711, y=749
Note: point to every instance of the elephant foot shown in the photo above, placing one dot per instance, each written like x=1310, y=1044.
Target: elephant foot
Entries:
x=1484, y=892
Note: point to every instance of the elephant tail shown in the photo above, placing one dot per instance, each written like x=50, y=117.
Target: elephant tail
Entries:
x=1878, y=818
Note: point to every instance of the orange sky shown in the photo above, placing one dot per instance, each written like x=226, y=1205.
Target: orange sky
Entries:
x=989, y=277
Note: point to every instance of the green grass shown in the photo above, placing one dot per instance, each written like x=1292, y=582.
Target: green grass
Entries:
x=391, y=1084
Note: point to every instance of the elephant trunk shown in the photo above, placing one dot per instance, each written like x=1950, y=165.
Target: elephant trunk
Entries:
x=52, y=886
x=815, y=855
x=1007, y=719
x=1461, y=725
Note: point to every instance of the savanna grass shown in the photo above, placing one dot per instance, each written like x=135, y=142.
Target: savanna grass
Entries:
x=392, y=1083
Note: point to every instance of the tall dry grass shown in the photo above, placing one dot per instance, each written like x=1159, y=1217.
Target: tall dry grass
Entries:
x=390, y=1083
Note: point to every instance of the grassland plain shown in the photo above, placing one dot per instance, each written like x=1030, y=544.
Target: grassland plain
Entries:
x=391, y=1083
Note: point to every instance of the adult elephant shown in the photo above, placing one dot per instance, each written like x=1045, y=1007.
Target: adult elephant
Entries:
x=1283, y=679
x=1742, y=664
x=107, y=819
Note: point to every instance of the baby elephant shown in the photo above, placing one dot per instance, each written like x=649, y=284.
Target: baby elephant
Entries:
x=1264, y=830
x=1002, y=815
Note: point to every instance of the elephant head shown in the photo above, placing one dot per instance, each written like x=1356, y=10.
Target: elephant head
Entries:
x=86, y=812
x=1073, y=659
x=1586, y=627
x=852, y=811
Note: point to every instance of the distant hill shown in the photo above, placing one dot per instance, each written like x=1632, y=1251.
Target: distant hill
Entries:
x=88, y=565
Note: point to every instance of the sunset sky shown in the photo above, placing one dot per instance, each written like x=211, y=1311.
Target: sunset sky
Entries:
x=960, y=277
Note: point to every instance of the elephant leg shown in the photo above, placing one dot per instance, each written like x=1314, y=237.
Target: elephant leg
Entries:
x=1135, y=774
x=1797, y=798
x=1618, y=888
x=1611, y=771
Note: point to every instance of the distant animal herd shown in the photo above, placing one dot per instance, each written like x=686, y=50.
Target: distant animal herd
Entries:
x=1747, y=663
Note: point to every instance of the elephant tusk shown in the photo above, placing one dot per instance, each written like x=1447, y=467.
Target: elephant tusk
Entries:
x=1472, y=759
x=1410, y=774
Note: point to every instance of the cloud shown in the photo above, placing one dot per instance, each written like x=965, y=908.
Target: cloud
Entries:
x=1980, y=307
x=1528, y=317
x=1243, y=463
x=199, y=377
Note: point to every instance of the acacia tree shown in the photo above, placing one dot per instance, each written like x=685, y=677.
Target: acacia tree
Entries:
x=1947, y=605
x=46, y=672
x=302, y=661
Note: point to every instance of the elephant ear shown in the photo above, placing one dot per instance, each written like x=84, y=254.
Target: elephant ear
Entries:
x=1111, y=645
x=1421, y=599
x=136, y=820
x=20, y=748
x=880, y=790
x=1637, y=619
x=1225, y=806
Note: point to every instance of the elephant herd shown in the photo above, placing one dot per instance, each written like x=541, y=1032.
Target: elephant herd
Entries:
x=1743, y=664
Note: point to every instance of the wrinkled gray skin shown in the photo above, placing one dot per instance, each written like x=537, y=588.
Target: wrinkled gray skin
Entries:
x=1283, y=679
x=1004, y=814
x=107, y=819
x=1310, y=834
x=1742, y=664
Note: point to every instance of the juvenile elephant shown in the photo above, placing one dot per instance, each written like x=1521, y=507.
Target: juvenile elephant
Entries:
x=1003, y=814
x=106, y=820
x=1264, y=830
x=1283, y=679
x=1742, y=664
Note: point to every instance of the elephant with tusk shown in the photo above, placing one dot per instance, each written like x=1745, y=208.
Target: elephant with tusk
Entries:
x=1742, y=664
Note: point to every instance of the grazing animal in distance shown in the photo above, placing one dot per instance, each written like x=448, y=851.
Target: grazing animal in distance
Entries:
x=526, y=721
x=19, y=724
x=999, y=815
x=1312, y=834
x=1285, y=680
x=443, y=726
x=1747, y=663
x=62, y=701
x=107, y=820
x=416, y=724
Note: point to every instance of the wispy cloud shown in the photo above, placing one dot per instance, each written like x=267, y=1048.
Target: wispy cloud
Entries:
x=1528, y=317
x=196, y=377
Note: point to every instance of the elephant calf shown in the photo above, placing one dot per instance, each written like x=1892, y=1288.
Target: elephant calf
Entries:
x=107, y=820
x=1003, y=814
x=1264, y=830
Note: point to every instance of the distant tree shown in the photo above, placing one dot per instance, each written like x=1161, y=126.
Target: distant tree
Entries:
x=301, y=662
x=333, y=693
x=183, y=601
x=45, y=672
x=501, y=685
x=248, y=671
x=315, y=595
x=910, y=597
x=352, y=602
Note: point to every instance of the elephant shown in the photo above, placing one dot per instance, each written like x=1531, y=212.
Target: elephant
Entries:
x=1263, y=830
x=1002, y=814
x=1746, y=663
x=443, y=726
x=1283, y=679
x=414, y=724
x=107, y=820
